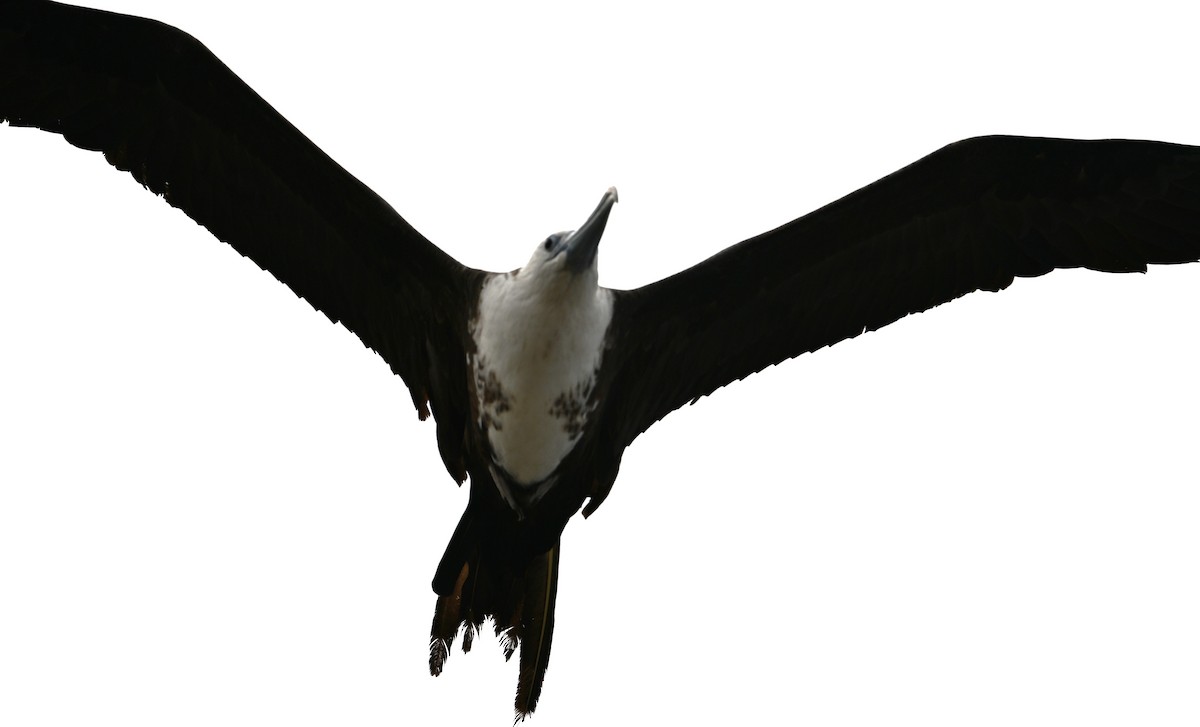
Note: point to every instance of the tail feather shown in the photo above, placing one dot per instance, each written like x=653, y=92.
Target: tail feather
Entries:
x=439, y=651
x=508, y=640
x=537, y=629
x=468, y=635
x=447, y=616
x=518, y=596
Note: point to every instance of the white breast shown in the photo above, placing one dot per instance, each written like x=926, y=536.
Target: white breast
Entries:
x=538, y=348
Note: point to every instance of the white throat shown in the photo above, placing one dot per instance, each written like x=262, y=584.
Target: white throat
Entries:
x=539, y=338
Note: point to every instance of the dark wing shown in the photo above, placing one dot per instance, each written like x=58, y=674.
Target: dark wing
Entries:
x=968, y=217
x=164, y=108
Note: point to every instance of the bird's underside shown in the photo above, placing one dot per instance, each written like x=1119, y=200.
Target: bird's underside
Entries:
x=539, y=379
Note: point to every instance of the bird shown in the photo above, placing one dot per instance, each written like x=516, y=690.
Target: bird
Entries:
x=522, y=506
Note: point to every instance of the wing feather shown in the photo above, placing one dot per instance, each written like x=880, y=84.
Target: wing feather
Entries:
x=159, y=105
x=971, y=216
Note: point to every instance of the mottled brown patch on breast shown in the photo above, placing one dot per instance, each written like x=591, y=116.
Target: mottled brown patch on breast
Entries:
x=573, y=407
x=493, y=401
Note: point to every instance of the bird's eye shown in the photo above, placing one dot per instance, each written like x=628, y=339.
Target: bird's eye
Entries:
x=549, y=242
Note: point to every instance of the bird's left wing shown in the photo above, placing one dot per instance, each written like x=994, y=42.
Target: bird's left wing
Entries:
x=161, y=106
x=971, y=216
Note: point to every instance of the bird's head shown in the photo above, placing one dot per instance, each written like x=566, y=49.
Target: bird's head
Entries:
x=568, y=256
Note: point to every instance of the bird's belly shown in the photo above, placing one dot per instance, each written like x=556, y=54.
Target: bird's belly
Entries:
x=530, y=443
x=532, y=413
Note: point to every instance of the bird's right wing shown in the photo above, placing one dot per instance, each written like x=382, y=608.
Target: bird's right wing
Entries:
x=971, y=216
x=159, y=105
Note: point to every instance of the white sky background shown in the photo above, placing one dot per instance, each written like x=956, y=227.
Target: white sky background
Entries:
x=217, y=508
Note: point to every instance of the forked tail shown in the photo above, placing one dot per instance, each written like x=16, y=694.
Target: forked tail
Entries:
x=517, y=593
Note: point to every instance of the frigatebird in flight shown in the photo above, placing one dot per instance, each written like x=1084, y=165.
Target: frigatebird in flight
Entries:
x=538, y=379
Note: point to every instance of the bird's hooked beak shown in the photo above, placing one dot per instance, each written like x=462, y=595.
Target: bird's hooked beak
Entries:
x=582, y=244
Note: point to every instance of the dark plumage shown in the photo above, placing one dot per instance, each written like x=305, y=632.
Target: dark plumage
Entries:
x=1095, y=204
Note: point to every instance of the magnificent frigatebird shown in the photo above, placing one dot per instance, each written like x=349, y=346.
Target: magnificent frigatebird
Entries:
x=627, y=205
